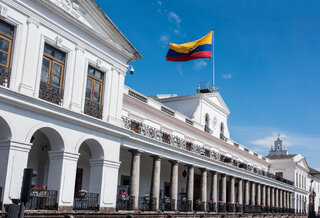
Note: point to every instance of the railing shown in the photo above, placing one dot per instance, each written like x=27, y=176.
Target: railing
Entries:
x=5, y=74
x=221, y=207
x=50, y=93
x=185, y=205
x=125, y=203
x=231, y=208
x=147, y=204
x=44, y=200
x=212, y=207
x=167, y=205
x=199, y=206
x=239, y=208
x=178, y=142
x=93, y=109
x=88, y=201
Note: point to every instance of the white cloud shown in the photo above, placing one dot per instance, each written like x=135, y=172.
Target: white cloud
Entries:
x=176, y=31
x=226, y=76
x=199, y=64
x=174, y=18
x=159, y=3
x=179, y=69
x=164, y=38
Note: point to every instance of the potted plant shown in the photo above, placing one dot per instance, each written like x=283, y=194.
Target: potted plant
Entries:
x=198, y=201
x=40, y=192
x=82, y=193
x=124, y=196
x=166, y=199
x=146, y=197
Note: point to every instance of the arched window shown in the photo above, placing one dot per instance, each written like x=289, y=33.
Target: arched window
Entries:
x=222, y=131
x=207, y=123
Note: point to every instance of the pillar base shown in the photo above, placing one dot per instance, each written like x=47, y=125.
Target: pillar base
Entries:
x=65, y=209
x=107, y=209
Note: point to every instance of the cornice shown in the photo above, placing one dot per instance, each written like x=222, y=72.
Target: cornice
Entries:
x=68, y=34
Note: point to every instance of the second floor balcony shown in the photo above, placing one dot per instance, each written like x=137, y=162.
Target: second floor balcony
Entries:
x=5, y=74
x=50, y=93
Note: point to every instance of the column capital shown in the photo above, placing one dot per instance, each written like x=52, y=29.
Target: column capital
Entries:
x=189, y=165
x=54, y=155
x=203, y=169
x=135, y=151
x=174, y=162
x=156, y=157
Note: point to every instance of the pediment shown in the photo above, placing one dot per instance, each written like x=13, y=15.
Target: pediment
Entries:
x=303, y=163
x=90, y=15
x=216, y=100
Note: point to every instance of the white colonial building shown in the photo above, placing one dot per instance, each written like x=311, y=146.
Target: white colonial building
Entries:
x=99, y=145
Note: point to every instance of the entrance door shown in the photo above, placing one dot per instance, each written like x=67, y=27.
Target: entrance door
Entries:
x=78, y=185
x=196, y=187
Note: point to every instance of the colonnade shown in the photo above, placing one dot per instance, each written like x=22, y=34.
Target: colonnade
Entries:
x=242, y=196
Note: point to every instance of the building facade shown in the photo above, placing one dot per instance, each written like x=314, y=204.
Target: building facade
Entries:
x=100, y=145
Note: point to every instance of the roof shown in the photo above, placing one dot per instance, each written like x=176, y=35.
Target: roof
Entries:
x=275, y=157
x=135, y=51
x=314, y=171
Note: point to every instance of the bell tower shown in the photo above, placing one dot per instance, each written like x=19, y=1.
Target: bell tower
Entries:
x=278, y=148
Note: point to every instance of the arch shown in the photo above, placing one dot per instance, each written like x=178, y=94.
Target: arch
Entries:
x=5, y=130
x=55, y=138
x=94, y=145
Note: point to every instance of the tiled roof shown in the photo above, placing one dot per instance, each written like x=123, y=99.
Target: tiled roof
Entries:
x=314, y=171
x=275, y=157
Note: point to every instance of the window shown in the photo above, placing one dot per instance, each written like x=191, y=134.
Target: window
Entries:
x=93, y=102
x=52, y=72
x=207, y=124
x=222, y=132
x=6, y=38
x=279, y=174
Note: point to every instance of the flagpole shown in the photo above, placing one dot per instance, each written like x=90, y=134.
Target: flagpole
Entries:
x=213, y=88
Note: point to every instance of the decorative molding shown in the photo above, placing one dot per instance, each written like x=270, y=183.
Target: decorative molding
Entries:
x=59, y=41
x=99, y=62
x=3, y=11
x=33, y=21
x=68, y=6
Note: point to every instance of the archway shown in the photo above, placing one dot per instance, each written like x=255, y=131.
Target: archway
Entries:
x=47, y=182
x=5, y=137
x=88, y=182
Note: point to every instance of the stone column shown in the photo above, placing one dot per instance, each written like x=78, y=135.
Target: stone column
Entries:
x=272, y=197
x=30, y=67
x=13, y=160
x=264, y=196
x=253, y=194
x=247, y=198
x=280, y=199
x=290, y=200
x=224, y=188
x=284, y=199
x=190, y=182
x=240, y=195
x=63, y=165
x=232, y=193
x=203, y=186
x=155, y=182
x=135, y=177
x=268, y=197
x=174, y=182
x=277, y=198
x=259, y=194
x=214, y=187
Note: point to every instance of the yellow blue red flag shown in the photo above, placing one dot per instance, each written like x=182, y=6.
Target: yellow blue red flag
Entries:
x=201, y=48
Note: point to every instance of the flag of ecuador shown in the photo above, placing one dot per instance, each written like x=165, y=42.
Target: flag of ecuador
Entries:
x=201, y=48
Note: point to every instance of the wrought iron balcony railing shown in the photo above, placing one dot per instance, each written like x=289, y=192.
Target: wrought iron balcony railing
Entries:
x=93, y=109
x=125, y=203
x=5, y=74
x=167, y=205
x=50, y=93
x=185, y=205
x=86, y=201
x=44, y=200
x=147, y=204
x=158, y=135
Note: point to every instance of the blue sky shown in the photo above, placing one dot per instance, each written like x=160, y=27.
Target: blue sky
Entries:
x=267, y=62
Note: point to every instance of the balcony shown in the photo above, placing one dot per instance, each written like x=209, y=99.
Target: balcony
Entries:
x=93, y=109
x=125, y=203
x=50, y=93
x=147, y=204
x=86, y=201
x=5, y=74
x=175, y=141
x=44, y=200
x=167, y=204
